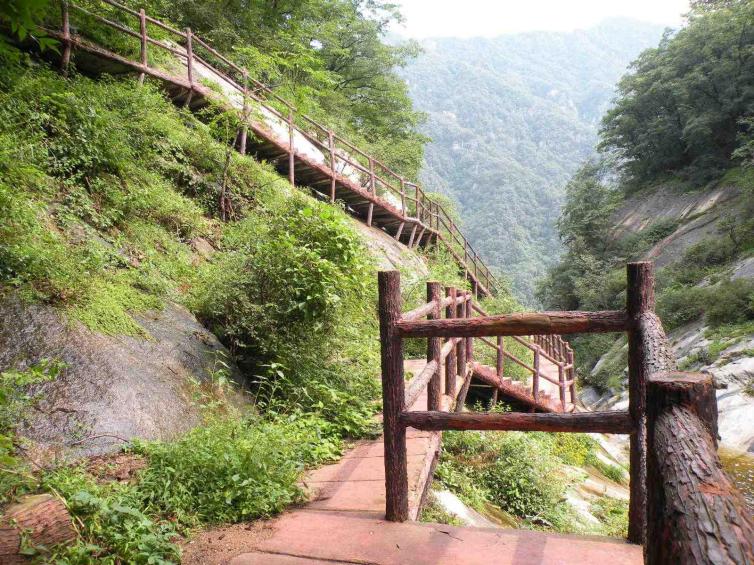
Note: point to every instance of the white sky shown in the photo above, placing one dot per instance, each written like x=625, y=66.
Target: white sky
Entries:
x=467, y=18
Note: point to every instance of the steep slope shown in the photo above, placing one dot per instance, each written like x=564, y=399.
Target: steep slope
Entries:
x=510, y=119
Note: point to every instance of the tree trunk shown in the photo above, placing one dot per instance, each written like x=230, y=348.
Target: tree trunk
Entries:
x=43, y=518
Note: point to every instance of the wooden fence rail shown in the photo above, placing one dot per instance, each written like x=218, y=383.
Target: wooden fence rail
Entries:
x=416, y=216
x=682, y=506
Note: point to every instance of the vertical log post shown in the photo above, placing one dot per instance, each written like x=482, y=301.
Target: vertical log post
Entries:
x=411, y=238
x=143, y=46
x=65, y=58
x=189, y=67
x=469, y=340
x=640, y=298
x=400, y=231
x=450, y=360
x=372, y=189
x=535, y=374
x=434, y=345
x=571, y=374
x=694, y=513
x=500, y=358
x=331, y=146
x=403, y=197
x=561, y=384
x=393, y=397
x=461, y=346
x=291, y=155
x=244, y=114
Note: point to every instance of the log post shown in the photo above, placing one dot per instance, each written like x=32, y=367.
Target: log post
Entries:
x=244, y=114
x=411, y=237
x=331, y=146
x=434, y=346
x=695, y=515
x=65, y=58
x=535, y=374
x=393, y=397
x=500, y=358
x=461, y=348
x=450, y=360
x=403, y=197
x=561, y=384
x=571, y=374
x=189, y=67
x=469, y=340
x=143, y=38
x=640, y=298
x=291, y=154
x=400, y=231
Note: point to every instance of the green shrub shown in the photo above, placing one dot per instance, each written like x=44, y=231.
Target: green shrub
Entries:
x=511, y=470
x=613, y=514
x=680, y=305
x=15, y=398
x=730, y=302
x=113, y=525
x=231, y=470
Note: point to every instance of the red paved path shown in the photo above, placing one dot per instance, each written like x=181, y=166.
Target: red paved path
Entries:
x=344, y=522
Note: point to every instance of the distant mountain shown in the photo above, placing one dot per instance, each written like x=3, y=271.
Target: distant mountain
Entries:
x=511, y=118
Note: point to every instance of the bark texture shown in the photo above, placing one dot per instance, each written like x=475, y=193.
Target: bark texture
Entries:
x=614, y=422
x=43, y=519
x=695, y=514
x=521, y=323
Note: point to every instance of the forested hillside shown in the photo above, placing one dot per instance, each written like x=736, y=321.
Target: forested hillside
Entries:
x=675, y=183
x=510, y=119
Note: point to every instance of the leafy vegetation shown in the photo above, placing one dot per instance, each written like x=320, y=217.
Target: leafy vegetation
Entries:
x=107, y=195
x=672, y=127
x=524, y=476
x=684, y=106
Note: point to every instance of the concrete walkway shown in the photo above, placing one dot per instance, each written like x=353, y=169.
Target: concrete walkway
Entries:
x=344, y=522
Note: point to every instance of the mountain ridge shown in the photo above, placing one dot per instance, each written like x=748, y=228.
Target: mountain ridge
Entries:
x=511, y=118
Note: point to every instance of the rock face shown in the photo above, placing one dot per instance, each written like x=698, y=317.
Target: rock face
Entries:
x=120, y=386
x=390, y=254
x=734, y=373
x=697, y=213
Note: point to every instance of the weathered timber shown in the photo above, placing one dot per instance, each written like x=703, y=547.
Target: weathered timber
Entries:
x=461, y=347
x=461, y=399
x=434, y=345
x=616, y=422
x=694, y=391
x=417, y=384
x=393, y=397
x=695, y=515
x=450, y=360
x=419, y=312
x=42, y=519
x=639, y=300
x=522, y=323
x=449, y=348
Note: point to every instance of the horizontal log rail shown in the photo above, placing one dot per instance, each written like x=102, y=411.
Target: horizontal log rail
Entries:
x=682, y=506
x=522, y=323
x=429, y=220
x=616, y=422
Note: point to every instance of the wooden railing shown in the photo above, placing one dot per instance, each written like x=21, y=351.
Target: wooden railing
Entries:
x=682, y=506
x=553, y=348
x=427, y=220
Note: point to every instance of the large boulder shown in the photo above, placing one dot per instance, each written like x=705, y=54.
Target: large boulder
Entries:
x=113, y=388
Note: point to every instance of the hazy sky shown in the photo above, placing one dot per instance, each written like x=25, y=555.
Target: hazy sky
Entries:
x=466, y=18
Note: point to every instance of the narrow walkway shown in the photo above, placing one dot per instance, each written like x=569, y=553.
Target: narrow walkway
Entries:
x=344, y=522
